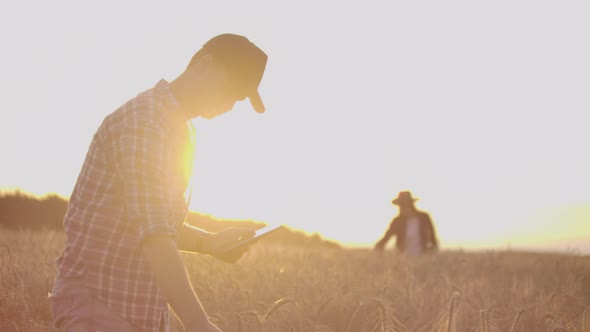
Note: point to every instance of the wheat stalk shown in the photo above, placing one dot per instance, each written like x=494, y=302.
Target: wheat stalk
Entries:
x=253, y=314
x=384, y=320
x=451, y=322
x=323, y=305
x=552, y=319
x=276, y=305
x=484, y=322
x=515, y=321
x=584, y=319
x=352, y=317
x=381, y=324
x=9, y=254
x=239, y=322
x=485, y=318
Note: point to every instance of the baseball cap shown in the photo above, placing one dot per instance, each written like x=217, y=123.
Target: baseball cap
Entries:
x=244, y=61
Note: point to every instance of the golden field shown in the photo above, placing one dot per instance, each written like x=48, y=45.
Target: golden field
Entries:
x=313, y=288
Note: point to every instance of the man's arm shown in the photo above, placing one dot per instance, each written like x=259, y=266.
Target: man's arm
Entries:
x=390, y=232
x=172, y=279
x=431, y=235
x=193, y=239
x=145, y=155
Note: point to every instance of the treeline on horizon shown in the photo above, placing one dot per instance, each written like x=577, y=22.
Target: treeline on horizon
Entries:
x=21, y=210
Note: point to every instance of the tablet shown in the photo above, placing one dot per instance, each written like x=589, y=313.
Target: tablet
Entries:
x=259, y=234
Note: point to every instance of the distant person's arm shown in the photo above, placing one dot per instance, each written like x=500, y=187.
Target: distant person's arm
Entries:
x=431, y=234
x=193, y=239
x=171, y=277
x=390, y=232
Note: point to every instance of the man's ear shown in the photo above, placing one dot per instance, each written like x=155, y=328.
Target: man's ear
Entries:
x=204, y=61
x=203, y=69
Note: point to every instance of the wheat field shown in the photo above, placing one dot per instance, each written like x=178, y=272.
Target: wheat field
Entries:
x=289, y=288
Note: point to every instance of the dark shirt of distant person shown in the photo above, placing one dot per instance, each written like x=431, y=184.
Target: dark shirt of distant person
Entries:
x=413, y=229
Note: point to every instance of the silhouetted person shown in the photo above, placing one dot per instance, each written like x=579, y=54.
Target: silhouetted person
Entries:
x=412, y=228
x=121, y=265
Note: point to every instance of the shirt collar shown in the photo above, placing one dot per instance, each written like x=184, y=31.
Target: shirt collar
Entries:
x=169, y=101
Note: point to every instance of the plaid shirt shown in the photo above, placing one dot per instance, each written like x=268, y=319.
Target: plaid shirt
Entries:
x=132, y=185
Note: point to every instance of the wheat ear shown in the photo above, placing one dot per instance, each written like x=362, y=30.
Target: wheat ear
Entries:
x=279, y=303
x=452, y=302
x=484, y=320
x=516, y=319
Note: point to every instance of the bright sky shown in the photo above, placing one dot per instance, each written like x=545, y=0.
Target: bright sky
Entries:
x=479, y=108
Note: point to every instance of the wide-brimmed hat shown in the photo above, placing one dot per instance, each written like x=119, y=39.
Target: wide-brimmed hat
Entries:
x=404, y=197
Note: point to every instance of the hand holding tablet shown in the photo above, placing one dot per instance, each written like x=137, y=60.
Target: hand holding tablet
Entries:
x=259, y=234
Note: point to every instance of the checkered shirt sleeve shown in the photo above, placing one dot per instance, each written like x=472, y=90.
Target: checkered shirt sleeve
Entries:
x=146, y=163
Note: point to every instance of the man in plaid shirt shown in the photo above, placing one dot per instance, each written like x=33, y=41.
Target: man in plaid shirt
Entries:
x=121, y=265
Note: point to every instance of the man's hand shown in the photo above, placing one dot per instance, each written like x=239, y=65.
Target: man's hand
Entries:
x=216, y=244
x=161, y=253
x=379, y=246
x=432, y=248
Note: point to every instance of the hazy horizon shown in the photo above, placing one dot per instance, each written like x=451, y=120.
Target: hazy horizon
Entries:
x=567, y=245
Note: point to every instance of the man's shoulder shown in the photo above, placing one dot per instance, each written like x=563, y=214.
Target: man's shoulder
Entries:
x=424, y=215
x=397, y=219
x=141, y=110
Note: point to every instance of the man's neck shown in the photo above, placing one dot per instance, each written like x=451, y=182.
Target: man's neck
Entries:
x=409, y=213
x=184, y=97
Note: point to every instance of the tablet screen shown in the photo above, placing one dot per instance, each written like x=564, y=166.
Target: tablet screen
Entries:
x=259, y=234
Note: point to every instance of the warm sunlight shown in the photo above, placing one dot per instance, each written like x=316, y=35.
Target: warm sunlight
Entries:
x=389, y=166
x=498, y=212
x=485, y=123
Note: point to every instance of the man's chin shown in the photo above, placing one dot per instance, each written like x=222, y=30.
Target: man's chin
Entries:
x=209, y=115
x=212, y=115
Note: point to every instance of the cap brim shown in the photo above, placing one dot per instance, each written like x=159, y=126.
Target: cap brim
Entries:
x=256, y=102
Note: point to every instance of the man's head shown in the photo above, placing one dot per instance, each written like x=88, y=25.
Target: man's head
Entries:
x=404, y=200
x=228, y=68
